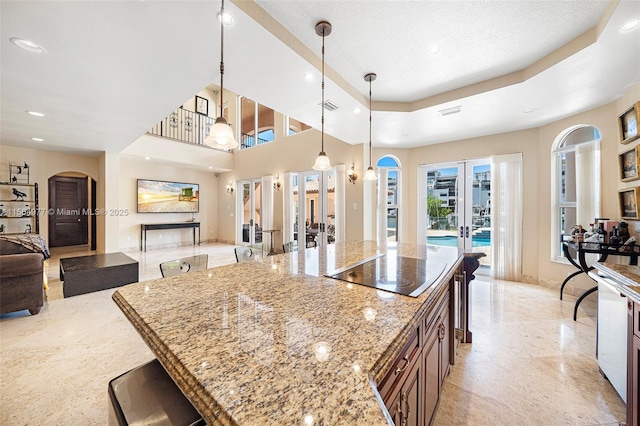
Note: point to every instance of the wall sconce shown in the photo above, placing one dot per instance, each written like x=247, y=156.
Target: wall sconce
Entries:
x=230, y=188
x=276, y=184
x=353, y=177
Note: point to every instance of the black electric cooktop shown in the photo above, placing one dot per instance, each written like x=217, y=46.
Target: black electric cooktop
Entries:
x=397, y=274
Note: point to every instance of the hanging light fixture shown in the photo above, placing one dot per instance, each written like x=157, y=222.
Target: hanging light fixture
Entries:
x=370, y=174
x=220, y=134
x=323, y=28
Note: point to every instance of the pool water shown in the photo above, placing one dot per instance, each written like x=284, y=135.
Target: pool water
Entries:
x=452, y=241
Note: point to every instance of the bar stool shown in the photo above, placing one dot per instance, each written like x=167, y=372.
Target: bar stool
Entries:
x=146, y=395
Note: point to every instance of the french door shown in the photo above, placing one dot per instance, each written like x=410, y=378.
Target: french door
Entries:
x=455, y=207
x=250, y=204
x=315, y=213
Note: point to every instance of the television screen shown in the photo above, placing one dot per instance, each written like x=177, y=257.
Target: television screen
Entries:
x=156, y=196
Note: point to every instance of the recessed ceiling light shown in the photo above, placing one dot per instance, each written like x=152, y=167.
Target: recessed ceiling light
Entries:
x=449, y=111
x=37, y=139
x=434, y=49
x=630, y=26
x=210, y=167
x=27, y=45
x=530, y=110
x=225, y=18
x=36, y=113
x=308, y=76
x=356, y=110
x=147, y=158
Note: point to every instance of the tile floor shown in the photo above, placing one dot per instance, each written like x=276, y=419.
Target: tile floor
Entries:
x=529, y=363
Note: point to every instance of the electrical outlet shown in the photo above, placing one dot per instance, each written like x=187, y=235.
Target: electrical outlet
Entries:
x=355, y=206
x=637, y=226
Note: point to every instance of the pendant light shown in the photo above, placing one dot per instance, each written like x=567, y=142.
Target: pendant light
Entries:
x=323, y=28
x=370, y=174
x=220, y=134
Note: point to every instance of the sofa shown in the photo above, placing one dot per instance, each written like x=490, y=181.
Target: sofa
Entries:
x=21, y=282
x=21, y=274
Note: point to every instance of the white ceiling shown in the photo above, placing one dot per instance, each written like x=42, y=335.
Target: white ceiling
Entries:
x=114, y=69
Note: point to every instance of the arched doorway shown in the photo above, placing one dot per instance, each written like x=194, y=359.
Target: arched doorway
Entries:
x=72, y=199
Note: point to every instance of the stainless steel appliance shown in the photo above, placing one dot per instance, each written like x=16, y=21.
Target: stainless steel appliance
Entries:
x=612, y=333
x=397, y=274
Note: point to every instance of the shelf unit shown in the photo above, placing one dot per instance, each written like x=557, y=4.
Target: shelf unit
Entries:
x=19, y=174
x=19, y=208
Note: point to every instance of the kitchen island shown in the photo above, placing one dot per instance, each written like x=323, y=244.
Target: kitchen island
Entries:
x=274, y=341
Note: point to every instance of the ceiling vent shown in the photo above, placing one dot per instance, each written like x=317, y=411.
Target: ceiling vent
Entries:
x=329, y=106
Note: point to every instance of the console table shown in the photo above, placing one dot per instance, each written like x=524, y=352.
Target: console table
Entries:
x=144, y=227
x=601, y=249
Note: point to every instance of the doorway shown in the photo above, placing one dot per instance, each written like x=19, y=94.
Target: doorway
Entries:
x=69, y=211
x=389, y=199
x=251, y=207
x=315, y=214
x=455, y=206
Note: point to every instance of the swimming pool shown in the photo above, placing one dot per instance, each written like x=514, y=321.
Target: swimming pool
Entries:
x=452, y=241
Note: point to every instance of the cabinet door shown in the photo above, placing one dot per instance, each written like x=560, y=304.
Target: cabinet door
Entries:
x=445, y=345
x=431, y=356
x=412, y=392
x=395, y=410
x=633, y=400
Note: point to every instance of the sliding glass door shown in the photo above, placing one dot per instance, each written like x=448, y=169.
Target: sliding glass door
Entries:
x=455, y=209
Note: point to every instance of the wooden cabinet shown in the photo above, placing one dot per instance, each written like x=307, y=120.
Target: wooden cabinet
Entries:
x=19, y=210
x=411, y=389
x=406, y=408
x=436, y=355
x=633, y=364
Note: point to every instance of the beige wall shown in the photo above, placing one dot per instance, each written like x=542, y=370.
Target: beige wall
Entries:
x=297, y=153
x=42, y=166
x=293, y=153
x=132, y=169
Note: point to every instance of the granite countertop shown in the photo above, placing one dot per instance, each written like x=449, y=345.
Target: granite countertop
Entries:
x=273, y=341
x=626, y=276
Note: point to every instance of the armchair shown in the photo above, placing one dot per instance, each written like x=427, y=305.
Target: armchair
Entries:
x=21, y=282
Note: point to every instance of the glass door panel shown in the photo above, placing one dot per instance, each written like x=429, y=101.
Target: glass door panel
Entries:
x=251, y=205
x=315, y=216
x=480, y=181
x=247, y=222
x=442, y=209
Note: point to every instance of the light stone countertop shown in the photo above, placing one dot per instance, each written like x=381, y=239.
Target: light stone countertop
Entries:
x=273, y=341
x=626, y=276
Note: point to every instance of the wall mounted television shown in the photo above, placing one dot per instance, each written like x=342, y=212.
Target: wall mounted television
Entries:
x=156, y=196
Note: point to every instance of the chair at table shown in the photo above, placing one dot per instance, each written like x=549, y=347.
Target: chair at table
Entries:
x=290, y=246
x=244, y=254
x=182, y=266
x=311, y=240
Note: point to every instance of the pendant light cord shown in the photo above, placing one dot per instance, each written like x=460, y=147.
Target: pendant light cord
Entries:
x=370, y=122
x=221, y=57
x=322, y=105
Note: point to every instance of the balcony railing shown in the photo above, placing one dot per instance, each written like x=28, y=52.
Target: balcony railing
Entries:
x=250, y=140
x=184, y=126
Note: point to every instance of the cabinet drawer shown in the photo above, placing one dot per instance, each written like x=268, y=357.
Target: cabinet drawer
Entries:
x=400, y=368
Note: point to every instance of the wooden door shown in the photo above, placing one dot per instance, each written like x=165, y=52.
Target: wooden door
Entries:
x=68, y=211
x=431, y=356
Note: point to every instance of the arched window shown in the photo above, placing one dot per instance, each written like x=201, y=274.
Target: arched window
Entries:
x=575, y=182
